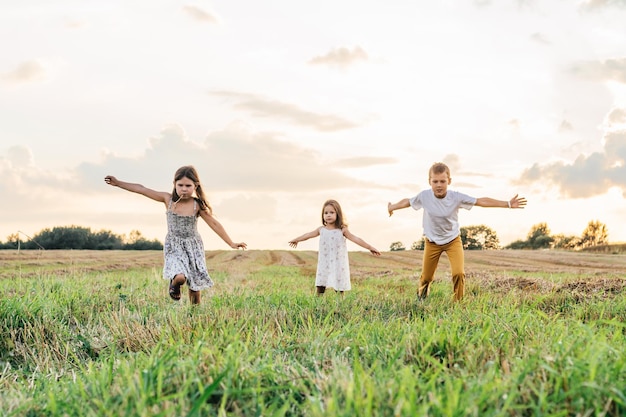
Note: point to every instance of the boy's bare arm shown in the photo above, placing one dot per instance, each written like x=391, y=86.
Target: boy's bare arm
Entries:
x=515, y=202
x=404, y=203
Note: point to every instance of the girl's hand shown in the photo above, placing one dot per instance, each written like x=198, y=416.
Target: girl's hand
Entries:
x=375, y=252
x=389, y=209
x=293, y=244
x=239, y=245
x=111, y=180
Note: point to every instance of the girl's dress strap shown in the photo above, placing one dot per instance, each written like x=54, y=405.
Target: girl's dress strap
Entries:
x=169, y=205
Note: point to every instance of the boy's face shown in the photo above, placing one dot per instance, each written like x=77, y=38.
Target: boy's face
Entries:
x=439, y=183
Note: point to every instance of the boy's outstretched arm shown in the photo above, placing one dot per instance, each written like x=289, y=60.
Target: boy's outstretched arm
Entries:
x=516, y=202
x=404, y=203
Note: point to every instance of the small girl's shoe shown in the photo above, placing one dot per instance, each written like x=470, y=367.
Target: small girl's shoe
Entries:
x=174, y=290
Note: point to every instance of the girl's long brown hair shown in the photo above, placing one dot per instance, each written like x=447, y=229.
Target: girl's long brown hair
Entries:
x=188, y=171
x=339, y=223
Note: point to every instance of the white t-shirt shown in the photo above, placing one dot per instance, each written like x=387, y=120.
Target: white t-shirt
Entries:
x=441, y=215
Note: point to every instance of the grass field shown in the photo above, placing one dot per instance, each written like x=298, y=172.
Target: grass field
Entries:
x=94, y=333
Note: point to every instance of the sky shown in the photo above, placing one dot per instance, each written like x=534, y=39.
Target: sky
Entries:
x=282, y=104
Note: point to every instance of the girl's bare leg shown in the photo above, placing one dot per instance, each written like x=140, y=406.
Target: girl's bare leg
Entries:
x=194, y=297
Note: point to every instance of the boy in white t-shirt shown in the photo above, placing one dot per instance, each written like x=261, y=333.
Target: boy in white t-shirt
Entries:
x=441, y=225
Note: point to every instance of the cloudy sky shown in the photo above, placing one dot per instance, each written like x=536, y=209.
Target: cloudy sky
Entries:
x=283, y=104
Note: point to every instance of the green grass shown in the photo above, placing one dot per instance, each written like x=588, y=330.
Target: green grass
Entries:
x=97, y=342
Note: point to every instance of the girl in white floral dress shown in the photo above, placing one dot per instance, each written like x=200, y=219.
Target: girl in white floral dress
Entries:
x=333, y=268
x=183, y=251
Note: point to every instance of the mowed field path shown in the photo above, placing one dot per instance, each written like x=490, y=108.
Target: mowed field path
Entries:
x=35, y=262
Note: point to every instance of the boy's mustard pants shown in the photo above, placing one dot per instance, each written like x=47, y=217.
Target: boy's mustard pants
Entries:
x=432, y=253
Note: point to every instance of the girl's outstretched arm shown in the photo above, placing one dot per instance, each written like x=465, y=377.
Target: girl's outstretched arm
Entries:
x=515, y=202
x=217, y=227
x=404, y=203
x=360, y=241
x=139, y=189
x=294, y=242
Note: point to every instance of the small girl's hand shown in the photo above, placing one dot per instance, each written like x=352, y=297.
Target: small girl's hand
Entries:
x=375, y=252
x=293, y=244
x=240, y=245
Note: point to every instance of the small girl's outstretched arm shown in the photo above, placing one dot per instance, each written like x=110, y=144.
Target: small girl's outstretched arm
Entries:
x=294, y=242
x=360, y=241
x=138, y=188
x=217, y=227
x=515, y=202
x=404, y=203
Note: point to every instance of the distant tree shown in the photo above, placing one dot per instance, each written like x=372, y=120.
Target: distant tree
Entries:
x=396, y=246
x=596, y=233
x=518, y=244
x=76, y=237
x=66, y=237
x=539, y=236
x=12, y=242
x=418, y=245
x=561, y=241
x=479, y=237
x=105, y=239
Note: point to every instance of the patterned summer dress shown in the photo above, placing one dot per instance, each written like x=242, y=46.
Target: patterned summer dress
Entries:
x=184, y=250
x=333, y=268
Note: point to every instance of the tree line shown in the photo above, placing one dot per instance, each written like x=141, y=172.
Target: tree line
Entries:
x=482, y=237
x=76, y=237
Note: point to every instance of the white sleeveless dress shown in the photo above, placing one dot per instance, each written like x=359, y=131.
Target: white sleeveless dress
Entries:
x=333, y=267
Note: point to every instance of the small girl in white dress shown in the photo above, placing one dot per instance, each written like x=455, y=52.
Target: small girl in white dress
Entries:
x=333, y=268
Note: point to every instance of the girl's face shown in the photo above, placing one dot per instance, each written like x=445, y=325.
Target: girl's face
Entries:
x=185, y=187
x=439, y=184
x=330, y=215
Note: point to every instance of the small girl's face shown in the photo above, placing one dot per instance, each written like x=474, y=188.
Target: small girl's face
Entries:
x=185, y=187
x=330, y=215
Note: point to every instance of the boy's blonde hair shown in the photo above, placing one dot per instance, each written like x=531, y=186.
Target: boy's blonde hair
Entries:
x=438, y=168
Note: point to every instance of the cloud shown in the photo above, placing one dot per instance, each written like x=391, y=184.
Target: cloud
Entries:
x=594, y=5
x=587, y=176
x=341, y=57
x=200, y=15
x=540, y=38
x=261, y=107
x=607, y=70
x=365, y=161
x=565, y=126
x=26, y=72
x=616, y=117
x=246, y=208
x=233, y=159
